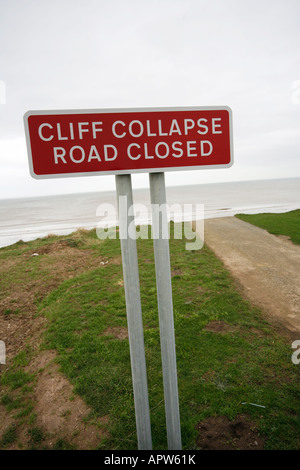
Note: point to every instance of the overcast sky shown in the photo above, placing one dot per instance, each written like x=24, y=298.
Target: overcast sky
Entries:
x=86, y=54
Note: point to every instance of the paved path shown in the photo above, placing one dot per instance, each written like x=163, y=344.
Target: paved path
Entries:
x=266, y=266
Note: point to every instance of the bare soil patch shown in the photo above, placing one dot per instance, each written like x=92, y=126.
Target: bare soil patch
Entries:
x=117, y=331
x=177, y=272
x=60, y=413
x=219, y=433
x=219, y=327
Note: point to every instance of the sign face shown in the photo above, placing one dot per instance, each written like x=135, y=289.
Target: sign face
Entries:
x=111, y=141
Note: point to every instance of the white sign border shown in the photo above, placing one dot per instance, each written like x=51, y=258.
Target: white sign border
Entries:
x=125, y=110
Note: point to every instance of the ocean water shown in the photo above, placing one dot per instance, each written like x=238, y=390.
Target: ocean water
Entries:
x=30, y=218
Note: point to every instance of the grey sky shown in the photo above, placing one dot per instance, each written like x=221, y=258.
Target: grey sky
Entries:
x=85, y=54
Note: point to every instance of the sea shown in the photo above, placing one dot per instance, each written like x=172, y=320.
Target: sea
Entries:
x=36, y=217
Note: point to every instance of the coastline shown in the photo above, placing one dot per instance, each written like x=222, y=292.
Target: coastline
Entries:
x=35, y=217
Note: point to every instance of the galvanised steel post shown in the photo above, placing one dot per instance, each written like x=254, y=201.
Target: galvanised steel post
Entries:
x=134, y=313
x=165, y=307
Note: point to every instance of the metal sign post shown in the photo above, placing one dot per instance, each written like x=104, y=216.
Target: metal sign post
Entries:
x=134, y=313
x=165, y=307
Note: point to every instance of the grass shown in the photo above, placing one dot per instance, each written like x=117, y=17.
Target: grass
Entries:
x=242, y=359
x=9, y=437
x=287, y=224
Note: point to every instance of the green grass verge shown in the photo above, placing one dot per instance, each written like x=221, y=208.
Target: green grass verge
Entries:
x=287, y=224
x=227, y=353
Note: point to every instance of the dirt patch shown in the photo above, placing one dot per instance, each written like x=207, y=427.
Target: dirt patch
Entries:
x=20, y=330
x=219, y=327
x=117, y=332
x=60, y=413
x=6, y=420
x=177, y=272
x=219, y=433
x=116, y=260
x=55, y=247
